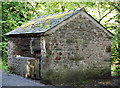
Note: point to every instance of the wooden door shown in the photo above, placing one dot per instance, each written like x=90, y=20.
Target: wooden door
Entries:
x=33, y=69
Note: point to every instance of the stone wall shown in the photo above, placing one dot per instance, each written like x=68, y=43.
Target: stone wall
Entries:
x=19, y=65
x=26, y=67
x=76, y=51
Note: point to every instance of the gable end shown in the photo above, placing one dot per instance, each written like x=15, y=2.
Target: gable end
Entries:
x=100, y=25
x=74, y=16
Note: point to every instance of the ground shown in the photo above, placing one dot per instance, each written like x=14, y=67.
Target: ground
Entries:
x=16, y=80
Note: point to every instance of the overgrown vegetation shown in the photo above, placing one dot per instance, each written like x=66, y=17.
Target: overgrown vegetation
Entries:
x=115, y=68
x=15, y=14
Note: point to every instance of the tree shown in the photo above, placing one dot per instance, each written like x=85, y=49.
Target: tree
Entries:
x=17, y=13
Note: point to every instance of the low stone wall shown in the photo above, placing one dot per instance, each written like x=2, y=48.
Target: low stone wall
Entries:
x=25, y=66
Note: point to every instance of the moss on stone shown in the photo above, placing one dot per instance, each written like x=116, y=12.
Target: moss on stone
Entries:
x=51, y=77
x=42, y=26
x=69, y=77
x=27, y=25
x=45, y=19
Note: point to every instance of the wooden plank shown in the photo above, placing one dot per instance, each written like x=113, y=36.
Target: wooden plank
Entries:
x=30, y=69
x=37, y=69
x=33, y=68
x=27, y=69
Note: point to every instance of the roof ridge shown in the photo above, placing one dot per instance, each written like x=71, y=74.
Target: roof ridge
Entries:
x=78, y=9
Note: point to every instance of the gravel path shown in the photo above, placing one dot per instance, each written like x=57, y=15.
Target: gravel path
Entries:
x=16, y=80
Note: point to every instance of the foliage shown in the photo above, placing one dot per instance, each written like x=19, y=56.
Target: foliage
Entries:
x=116, y=48
x=15, y=14
x=115, y=70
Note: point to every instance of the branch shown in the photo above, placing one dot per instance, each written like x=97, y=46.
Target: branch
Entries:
x=117, y=6
x=34, y=8
x=20, y=7
x=63, y=7
x=99, y=11
x=106, y=15
x=25, y=6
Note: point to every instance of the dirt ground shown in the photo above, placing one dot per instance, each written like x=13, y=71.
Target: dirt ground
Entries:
x=113, y=82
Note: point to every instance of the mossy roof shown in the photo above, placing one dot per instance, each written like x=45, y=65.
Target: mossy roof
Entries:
x=43, y=23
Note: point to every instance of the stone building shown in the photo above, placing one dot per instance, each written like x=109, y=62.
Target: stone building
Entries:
x=68, y=46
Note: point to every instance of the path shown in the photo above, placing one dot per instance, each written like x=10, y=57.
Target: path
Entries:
x=16, y=80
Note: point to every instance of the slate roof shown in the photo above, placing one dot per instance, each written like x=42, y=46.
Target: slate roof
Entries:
x=43, y=23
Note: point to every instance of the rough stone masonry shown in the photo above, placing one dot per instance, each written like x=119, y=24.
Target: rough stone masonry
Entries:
x=77, y=49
